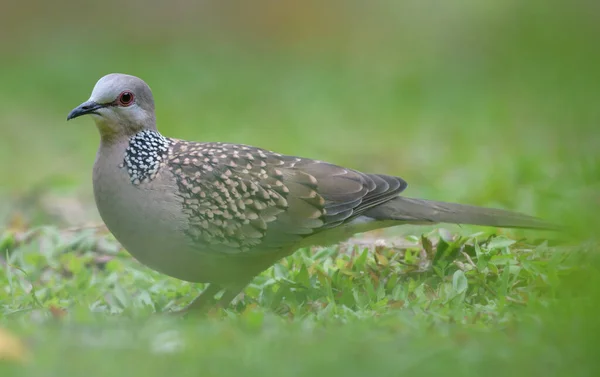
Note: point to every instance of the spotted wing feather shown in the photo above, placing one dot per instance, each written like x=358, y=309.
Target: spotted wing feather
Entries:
x=241, y=199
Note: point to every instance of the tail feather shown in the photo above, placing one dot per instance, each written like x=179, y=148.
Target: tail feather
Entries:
x=421, y=211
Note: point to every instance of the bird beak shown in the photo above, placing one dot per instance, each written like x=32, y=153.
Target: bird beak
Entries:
x=88, y=107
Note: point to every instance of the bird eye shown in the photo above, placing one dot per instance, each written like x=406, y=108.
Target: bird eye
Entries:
x=126, y=98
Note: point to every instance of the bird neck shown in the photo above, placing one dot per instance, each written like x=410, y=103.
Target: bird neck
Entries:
x=145, y=153
x=115, y=133
x=141, y=155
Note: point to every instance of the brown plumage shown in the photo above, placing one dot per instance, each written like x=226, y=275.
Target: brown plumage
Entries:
x=221, y=213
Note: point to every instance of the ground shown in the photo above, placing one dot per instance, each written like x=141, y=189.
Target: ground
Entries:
x=491, y=104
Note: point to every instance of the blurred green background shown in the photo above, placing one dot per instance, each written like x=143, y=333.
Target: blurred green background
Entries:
x=492, y=103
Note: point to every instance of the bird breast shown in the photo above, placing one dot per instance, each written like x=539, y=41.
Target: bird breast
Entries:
x=145, y=218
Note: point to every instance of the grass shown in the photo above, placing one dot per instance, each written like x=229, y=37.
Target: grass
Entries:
x=491, y=105
x=414, y=305
x=47, y=268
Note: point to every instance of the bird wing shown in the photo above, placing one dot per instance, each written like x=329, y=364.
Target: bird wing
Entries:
x=242, y=199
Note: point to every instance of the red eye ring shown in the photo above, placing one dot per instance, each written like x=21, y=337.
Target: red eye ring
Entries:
x=126, y=98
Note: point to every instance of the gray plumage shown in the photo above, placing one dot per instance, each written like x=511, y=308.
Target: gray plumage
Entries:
x=221, y=213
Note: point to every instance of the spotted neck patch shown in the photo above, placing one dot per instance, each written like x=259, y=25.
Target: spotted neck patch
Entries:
x=144, y=156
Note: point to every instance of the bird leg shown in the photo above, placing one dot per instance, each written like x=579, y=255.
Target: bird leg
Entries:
x=228, y=296
x=202, y=302
x=206, y=300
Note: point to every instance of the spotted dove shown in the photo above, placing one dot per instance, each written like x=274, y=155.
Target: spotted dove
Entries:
x=221, y=213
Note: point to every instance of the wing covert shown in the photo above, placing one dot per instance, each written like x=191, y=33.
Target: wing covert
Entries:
x=240, y=199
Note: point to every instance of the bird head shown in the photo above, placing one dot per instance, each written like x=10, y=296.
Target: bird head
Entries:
x=120, y=105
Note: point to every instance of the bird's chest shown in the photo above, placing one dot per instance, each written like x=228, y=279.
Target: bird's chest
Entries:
x=144, y=217
x=122, y=205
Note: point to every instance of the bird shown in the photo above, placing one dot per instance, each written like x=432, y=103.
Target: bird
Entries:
x=222, y=213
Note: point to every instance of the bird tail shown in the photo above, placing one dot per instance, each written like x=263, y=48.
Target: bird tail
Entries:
x=421, y=211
